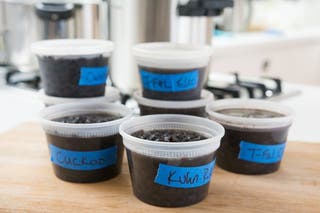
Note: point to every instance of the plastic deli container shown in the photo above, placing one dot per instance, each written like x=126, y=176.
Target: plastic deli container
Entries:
x=112, y=95
x=171, y=174
x=194, y=107
x=73, y=68
x=256, y=134
x=171, y=71
x=84, y=151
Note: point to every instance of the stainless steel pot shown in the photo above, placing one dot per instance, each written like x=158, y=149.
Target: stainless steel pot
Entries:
x=136, y=21
x=23, y=22
x=56, y=20
x=132, y=22
x=18, y=30
x=238, y=18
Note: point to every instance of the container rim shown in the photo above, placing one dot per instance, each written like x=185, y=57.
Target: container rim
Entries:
x=72, y=47
x=212, y=129
x=172, y=55
x=206, y=97
x=112, y=94
x=82, y=130
x=250, y=123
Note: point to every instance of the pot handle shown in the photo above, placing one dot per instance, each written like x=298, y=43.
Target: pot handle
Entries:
x=54, y=11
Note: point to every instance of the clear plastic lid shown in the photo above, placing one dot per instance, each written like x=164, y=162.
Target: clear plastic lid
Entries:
x=168, y=55
x=72, y=47
x=206, y=127
x=112, y=94
x=83, y=130
x=249, y=122
x=206, y=97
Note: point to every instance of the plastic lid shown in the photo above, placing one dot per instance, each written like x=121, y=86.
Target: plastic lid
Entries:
x=249, y=123
x=172, y=55
x=206, y=97
x=112, y=94
x=211, y=129
x=72, y=47
x=82, y=130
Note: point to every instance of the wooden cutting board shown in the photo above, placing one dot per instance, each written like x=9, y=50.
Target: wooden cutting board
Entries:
x=27, y=183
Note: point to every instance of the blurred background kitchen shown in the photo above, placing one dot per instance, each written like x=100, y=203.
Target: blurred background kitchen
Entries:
x=264, y=49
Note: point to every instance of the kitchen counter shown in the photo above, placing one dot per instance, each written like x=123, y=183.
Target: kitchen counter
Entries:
x=19, y=106
x=306, y=107
x=293, y=56
x=27, y=183
x=234, y=43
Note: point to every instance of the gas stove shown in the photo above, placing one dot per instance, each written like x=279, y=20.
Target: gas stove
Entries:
x=12, y=76
x=232, y=85
x=222, y=85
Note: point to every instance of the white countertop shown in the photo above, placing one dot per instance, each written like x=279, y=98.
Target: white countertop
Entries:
x=235, y=43
x=306, y=107
x=19, y=106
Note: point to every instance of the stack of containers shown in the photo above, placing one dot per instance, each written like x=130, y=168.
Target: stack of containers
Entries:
x=172, y=77
x=166, y=168
x=74, y=70
x=171, y=148
x=171, y=157
x=82, y=129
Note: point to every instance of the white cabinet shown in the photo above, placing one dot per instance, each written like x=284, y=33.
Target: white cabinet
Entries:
x=295, y=60
x=296, y=64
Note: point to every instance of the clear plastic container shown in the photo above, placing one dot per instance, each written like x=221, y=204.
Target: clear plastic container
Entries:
x=73, y=68
x=194, y=107
x=84, y=152
x=256, y=134
x=156, y=167
x=171, y=71
x=112, y=95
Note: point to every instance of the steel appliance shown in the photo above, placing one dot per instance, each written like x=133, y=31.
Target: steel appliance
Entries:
x=137, y=21
x=23, y=22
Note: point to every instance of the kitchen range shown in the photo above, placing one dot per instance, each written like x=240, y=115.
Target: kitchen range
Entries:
x=300, y=97
x=152, y=105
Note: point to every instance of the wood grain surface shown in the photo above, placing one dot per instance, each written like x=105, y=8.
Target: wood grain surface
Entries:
x=27, y=183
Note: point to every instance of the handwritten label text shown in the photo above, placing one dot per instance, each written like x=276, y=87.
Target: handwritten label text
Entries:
x=82, y=160
x=92, y=76
x=259, y=153
x=175, y=82
x=184, y=177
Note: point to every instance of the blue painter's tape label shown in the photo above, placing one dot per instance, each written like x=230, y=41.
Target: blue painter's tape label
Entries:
x=79, y=160
x=258, y=153
x=184, y=177
x=177, y=82
x=93, y=76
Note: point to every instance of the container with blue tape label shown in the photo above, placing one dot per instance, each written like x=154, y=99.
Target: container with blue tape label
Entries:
x=80, y=160
x=258, y=153
x=93, y=76
x=176, y=82
x=184, y=177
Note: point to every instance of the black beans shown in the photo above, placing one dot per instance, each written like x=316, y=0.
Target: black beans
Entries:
x=228, y=154
x=144, y=169
x=71, y=166
x=169, y=135
x=147, y=110
x=250, y=113
x=61, y=76
x=88, y=118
